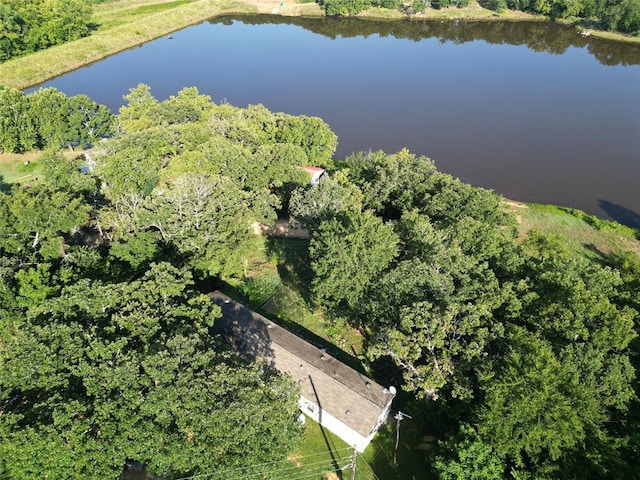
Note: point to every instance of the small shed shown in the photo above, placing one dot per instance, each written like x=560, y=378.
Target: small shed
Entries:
x=344, y=401
x=315, y=173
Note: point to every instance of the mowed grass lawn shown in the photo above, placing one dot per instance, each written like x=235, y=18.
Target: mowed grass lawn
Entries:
x=24, y=167
x=322, y=455
x=16, y=168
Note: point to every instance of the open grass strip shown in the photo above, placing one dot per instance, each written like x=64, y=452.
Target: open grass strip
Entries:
x=140, y=27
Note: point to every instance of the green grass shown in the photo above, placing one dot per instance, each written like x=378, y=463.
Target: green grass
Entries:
x=159, y=7
x=320, y=452
x=328, y=454
x=410, y=460
x=120, y=25
x=593, y=237
x=292, y=308
x=19, y=170
x=24, y=167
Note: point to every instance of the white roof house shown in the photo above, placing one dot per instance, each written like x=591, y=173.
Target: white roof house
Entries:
x=339, y=398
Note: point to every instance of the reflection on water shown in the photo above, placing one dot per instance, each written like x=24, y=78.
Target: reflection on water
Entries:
x=538, y=36
x=532, y=110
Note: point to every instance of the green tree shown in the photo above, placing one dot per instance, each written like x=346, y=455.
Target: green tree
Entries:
x=206, y=219
x=27, y=26
x=391, y=184
x=345, y=7
x=14, y=120
x=540, y=405
x=466, y=456
x=141, y=111
x=333, y=196
x=10, y=32
x=564, y=370
x=34, y=220
x=67, y=175
x=436, y=312
x=622, y=15
x=348, y=253
x=47, y=106
x=106, y=372
x=311, y=133
x=85, y=121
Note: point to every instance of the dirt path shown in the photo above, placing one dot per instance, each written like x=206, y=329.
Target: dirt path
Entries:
x=281, y=229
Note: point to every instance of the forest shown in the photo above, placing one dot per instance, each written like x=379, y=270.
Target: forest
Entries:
x=28, y=26
x=518, y=354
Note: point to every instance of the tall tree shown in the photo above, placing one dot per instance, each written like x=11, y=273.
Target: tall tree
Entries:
x=436, y=312
x=564, y=369
x=348, y=254
x=207, y=220
x=106, y=372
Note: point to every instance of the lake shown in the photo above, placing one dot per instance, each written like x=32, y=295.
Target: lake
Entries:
x=532, y=110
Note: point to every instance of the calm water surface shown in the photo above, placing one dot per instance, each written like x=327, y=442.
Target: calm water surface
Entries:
x=531, y=110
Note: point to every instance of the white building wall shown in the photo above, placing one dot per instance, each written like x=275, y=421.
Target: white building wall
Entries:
x=381, y=419
x=335, y=426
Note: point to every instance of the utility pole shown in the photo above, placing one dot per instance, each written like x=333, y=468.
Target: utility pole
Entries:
x=398, y=416
x=354, y=456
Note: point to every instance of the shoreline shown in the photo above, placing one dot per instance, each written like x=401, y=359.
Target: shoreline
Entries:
x=38, y=67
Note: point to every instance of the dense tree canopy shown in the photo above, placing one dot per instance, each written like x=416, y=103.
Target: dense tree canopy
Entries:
x=194, y=176
x=47, y=118
x=106, y=352
x=28, y=26
x=104, y=372
x=531, y=341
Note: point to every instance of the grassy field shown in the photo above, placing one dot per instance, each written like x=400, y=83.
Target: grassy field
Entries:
x=123, y=24
x=19, y=168
x=23, y=167
x=594, y=237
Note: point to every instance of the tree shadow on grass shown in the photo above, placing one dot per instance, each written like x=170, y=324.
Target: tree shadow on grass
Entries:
x=410, y=459
x=4, y=186
x=294, y=264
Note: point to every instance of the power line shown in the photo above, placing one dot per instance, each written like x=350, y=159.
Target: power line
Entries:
x=238, y=469
x=290, y=472
x=294, y=475
x=314, y=474
x=368, y=466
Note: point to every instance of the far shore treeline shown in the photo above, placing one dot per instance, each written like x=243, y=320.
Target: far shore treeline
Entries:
x=535, y=35
x=616, y=15
x=515, y=351
x=33, y=25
